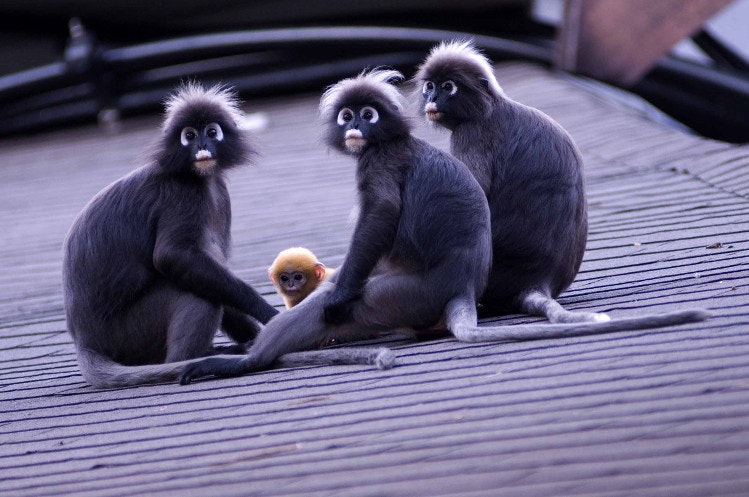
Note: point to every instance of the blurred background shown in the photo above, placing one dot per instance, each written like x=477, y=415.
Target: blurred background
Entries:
x=65, y=62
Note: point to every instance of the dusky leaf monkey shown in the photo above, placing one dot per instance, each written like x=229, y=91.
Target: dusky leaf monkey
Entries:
x=531, y=172
x=421, y=251
x=146, y=284
x=421, y=238
x=295, y=273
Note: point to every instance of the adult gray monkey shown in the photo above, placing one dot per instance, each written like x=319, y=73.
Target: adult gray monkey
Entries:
x=532, y=175
x=421, y=250
x=145, y=277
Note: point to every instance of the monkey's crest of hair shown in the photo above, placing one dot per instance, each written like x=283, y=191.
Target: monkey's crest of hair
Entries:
x=377, y=81
x=299, y=256
x=193, y=94
x=451, y=53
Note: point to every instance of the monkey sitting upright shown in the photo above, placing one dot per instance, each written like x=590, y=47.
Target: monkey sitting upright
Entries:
x=531, y=172
x=295, y=273
x=421, y=251
x=145, y=277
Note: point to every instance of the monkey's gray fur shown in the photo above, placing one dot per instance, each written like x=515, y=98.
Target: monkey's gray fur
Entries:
x=145, y=279
x=421, y=251
x=422, y=238
x=531, y=173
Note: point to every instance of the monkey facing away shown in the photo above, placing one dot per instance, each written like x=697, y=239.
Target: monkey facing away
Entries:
x=295, y=273
x=144, y=271
x=531, y=173
x=420, y=253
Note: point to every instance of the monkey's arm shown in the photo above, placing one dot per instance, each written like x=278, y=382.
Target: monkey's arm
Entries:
x=373, y=237
x=238, y=326
x=178, y=256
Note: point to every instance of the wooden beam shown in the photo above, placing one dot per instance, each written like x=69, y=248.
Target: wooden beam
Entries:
x=620, y=40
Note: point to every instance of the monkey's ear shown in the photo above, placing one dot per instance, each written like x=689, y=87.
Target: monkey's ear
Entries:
x=272, y=276
x=319, y=271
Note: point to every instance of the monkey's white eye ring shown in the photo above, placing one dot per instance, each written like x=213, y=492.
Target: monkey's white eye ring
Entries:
x=369, y=114
x=214, y=132
x=428, y=86
x=344, y=116
x=188, y=134
x=450, y=87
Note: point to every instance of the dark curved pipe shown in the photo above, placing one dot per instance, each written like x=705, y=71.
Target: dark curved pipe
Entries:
x=293, y=36
x=713, y=102
x=135, y=78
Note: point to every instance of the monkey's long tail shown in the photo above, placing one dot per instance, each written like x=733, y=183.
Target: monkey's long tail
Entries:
x=101, y=372
x=461, y=321
x=382, y=358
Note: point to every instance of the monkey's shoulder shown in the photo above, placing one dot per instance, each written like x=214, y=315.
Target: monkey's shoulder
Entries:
x=437, y=167
x=518, y=123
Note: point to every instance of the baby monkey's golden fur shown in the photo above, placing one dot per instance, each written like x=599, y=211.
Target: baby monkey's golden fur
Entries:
x=296, y=273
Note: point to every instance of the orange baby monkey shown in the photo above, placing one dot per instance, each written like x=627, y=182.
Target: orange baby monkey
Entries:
x=296, y=272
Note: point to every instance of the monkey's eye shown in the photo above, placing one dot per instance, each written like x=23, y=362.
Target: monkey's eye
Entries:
x=450, y=87
x=298, y=277
x=214, y=132
x=188, y=134
x=369, y=114
x=428, y=86
x=344, y=116
x=284, y=278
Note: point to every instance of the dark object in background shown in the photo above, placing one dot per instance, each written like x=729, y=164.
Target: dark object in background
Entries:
x=271, y=47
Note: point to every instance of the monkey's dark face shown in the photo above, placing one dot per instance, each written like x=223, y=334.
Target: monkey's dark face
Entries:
x=201, y=142
x=202, y=145
x=361, y=123
x=452, y=97
x=358, y=124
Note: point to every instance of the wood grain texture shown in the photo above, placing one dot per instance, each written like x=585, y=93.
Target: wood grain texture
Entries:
x=653, y=413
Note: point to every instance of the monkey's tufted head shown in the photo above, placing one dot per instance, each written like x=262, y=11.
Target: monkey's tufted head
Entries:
x=202, y=131
x=363, y=110
x=457, y=84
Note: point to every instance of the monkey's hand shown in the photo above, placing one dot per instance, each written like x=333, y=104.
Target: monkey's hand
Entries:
x=222, y=366
x=338, y=308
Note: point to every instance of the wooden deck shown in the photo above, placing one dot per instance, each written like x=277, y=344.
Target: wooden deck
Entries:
x=656, y=413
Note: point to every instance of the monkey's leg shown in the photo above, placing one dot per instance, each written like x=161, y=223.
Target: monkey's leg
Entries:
x=537, y=304
x=402, y=300
x=388, y=302
x=300, y=328
x=136, y=344
x=193, y=325
x=238, y=326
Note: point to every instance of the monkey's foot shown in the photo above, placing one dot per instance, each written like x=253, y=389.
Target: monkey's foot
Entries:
x=214, y=366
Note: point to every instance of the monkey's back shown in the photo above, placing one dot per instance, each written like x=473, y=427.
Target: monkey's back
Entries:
x=106, y=247
x=536, y=198
x=445, y=219
x=108, y=257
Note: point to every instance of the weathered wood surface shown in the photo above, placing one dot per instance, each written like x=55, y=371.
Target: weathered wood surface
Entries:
x=655, y=413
